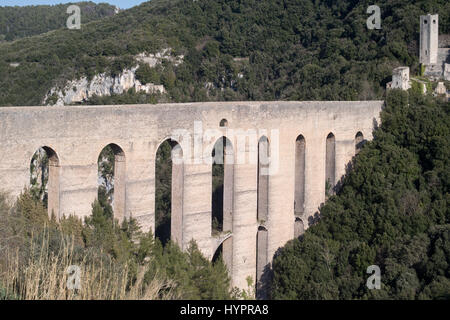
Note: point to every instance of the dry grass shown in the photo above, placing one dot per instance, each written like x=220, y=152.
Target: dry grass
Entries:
x=44, y=276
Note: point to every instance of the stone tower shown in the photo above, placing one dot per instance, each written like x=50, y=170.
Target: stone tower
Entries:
x=400, y=79
x=429, y=31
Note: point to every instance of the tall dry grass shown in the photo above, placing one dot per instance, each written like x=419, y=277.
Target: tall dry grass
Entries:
x=44, y=276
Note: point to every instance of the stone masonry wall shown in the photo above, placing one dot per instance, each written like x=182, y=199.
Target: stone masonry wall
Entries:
x=78, y=134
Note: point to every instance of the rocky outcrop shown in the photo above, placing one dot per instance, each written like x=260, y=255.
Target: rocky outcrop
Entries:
x=100, y=85
x=82, y=89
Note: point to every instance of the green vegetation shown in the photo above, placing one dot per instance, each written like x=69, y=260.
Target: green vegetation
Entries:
x=392, y=211
x=233, y=50
x=117, y=261
x=39, y=176
x=163, y=191
x=130, y=97
x=19, y=22
x=146, y=74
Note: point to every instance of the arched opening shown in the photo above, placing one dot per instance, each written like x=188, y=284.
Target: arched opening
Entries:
x=261, y=262
x=359, y=142
x=263, y=179
x=222, y=186
x=223, y=123
x=222, y=194
x=112, y=181
x=44, y=179
x=218, y=254
x=300, y=162
x=330, y=164
x=169, y=172
x=299, y=227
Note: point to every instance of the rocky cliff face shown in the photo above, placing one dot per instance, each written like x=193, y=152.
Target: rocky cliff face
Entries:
x=100, y=85
x=81, y=90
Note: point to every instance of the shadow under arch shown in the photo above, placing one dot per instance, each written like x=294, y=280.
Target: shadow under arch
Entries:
x=222, y=195
x=45, y=179
x=169, y=180
x=223, y=123
x=218, y=254
x=112, y=180
x=263, y=179
x=218, y=246
x=262, y=263
x=262, y=258
x=299, y=178
x=299, y=227
x=330, y=165
x=359, y=142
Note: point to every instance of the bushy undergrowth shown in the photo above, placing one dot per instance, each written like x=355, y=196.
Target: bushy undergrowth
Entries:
x=115, y=261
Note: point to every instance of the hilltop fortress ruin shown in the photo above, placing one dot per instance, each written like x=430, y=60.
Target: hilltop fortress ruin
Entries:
x=434, y=52
x=434, y=57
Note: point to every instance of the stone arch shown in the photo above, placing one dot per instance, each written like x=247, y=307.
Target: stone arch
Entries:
x=300, y=167
x=222, y=194
x=112, y=178
x=218, y=246
x=299, y=227
x=45, y=178
x=359, y=142
x=223, y=123
x=262, y=262
x=218, y=254
x=263, y=179
x=169, y=180
x=330, y=164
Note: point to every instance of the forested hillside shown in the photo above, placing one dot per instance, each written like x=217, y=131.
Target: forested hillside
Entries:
x=233, y=49
x=392, y=211
x=19, y=22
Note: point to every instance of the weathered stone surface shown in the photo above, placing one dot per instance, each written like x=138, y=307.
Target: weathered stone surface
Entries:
x=429, y=39
x=100, y=85
x=78, y=134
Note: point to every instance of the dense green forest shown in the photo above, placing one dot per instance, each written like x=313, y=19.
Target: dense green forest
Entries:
x=392, y=211
x=19, y=22
x=233, y=50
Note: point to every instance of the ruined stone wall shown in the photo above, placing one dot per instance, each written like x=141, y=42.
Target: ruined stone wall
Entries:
x=78, y=134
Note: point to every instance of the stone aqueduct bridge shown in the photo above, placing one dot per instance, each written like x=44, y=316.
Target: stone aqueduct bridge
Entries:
x=313, y=140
